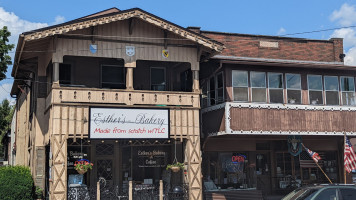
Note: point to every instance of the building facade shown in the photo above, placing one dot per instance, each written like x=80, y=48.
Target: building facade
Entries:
x=117, y=88
x=265, y=97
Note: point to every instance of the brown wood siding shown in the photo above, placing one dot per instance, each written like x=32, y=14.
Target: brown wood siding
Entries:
x=213, y=121
x=292, y=120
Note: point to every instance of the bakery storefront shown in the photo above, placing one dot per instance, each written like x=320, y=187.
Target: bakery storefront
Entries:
x=124, y=145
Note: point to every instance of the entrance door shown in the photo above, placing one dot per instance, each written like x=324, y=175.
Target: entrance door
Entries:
x=263, y=172
x=105, y=165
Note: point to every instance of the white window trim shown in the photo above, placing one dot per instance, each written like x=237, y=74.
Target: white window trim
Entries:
x=258, y=87
x=269, y=94
x=101, y=73
x=325, y=90
x=322, y=89
x=341, y=103
x=232, y=83
x=300, y=89
x=165, y=79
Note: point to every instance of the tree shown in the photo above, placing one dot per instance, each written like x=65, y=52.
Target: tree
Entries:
x=5, y=59
x=6, y=113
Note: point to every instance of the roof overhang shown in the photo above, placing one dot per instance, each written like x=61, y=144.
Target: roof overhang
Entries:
x=83, y=23
x=283, y=63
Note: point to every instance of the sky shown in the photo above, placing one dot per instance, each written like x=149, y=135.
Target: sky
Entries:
x=261, y=17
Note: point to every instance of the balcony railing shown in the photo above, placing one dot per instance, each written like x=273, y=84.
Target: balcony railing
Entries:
x=123, y=97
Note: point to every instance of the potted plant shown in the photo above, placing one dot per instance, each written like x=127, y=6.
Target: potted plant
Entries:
x=83, y=165
x=175, y=167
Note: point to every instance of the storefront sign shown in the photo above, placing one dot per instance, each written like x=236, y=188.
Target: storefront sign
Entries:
x=294, y=144
x=151, y=158
x=124, y=123
x=238, y=158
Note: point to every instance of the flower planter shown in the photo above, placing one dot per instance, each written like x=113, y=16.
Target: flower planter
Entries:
x=175, y=169
x=82, y=171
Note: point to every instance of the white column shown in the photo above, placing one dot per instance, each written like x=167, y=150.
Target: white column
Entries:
x=129, y=74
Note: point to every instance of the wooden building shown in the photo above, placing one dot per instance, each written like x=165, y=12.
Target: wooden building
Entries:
x=74, y=80
x=262, y=97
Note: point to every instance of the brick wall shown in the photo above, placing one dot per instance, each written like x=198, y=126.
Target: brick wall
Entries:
x=242, y=45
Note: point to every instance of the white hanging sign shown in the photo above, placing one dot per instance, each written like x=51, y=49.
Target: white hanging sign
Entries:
x=128, y=123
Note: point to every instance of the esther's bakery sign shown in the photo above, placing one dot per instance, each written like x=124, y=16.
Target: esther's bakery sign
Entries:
x=123, y=123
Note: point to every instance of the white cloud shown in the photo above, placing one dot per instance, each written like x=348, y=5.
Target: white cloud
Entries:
x=350, y=58
x=16, y=25
x=58, y=20
x=5, y=91
x=348, y=34
x=346, y=16
x=281, y=31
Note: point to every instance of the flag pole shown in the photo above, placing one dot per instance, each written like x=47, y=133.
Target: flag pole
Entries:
x=320, y=168
x=344, y=157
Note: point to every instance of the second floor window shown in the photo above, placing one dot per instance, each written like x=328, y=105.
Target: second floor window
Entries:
x=65, y=73
x=331, y=84
x=347, y=90
x=158, y=78
x=293, y=83
x=315, y=86
x=258, y=86
x=275, y=85
x=113, y=76
x=240, y=85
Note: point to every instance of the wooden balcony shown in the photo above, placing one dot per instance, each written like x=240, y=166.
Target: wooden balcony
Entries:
x=97, y=96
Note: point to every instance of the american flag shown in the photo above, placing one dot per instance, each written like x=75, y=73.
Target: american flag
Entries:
x=314, y=155
x=349, y=156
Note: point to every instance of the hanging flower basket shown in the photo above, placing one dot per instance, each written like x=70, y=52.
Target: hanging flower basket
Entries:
x=83, y=165
x=175, y=167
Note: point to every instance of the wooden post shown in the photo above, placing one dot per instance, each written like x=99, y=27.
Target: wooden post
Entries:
x=55, y=72
x=129, y=74
x=130, y=190
x=160, y=190
x=195, y=74
x=98, y=190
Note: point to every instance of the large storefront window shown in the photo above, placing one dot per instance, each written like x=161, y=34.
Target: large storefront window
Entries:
x=229, y=170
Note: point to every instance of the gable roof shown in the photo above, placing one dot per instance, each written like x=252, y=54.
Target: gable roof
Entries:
x=114, y=14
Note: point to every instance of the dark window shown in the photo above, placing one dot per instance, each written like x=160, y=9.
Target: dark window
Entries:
x=275, y=85
x=331, y=90
x=158, y=79
x=220, y=87
x=211, y=91
x=315, y=86
x=113, y=76
x=348, y=193
x=186, y=81
x=328, y=194
x=65, y=73
x=294, y=94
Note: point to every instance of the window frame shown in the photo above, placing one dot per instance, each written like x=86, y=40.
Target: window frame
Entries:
x=300, y=89
x=110, y=65
x=217, y=88
x=322, y=89
x=165, y=78
x=269, y=93
x=338, y=90
x=342, y=102
x=248, y=86
x=258, y=87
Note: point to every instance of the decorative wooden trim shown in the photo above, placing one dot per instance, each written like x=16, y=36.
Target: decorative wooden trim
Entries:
x=65, y=28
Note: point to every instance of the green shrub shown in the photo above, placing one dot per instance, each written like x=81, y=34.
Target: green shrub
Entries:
x=16, y=183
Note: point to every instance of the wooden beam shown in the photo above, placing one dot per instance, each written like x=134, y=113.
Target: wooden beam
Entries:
x=131, y=24
x=165, y=39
